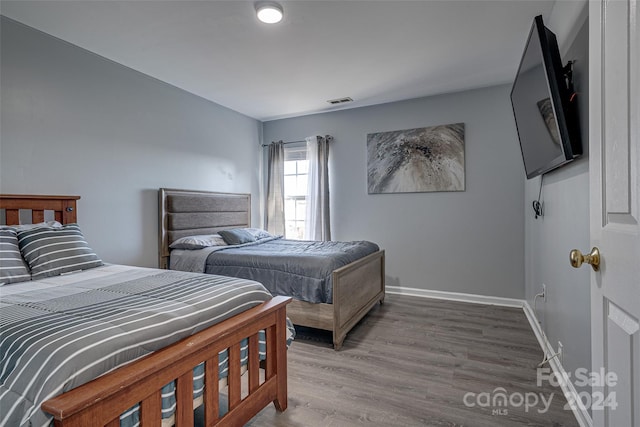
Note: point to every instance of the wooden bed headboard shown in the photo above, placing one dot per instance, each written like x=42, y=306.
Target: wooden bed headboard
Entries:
x=63, y=207
x=189, y=213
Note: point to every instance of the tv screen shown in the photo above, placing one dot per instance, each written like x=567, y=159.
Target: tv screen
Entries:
x=543, y=106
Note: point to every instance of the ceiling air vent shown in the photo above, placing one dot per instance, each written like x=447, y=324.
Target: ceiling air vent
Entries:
x=339, y=101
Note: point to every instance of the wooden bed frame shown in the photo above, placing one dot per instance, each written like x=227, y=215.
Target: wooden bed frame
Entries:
x=357, y=287
x=101, y=401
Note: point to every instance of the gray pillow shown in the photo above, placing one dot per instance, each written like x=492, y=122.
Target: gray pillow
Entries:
x=237, y=236
x=198, y=242
x=53, y=251
x=12, y=267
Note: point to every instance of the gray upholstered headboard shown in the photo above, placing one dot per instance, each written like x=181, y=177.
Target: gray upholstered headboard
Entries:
x=188, y=213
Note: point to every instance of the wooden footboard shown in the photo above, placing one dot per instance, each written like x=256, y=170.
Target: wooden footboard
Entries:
x=357, y=287
x=101, y=401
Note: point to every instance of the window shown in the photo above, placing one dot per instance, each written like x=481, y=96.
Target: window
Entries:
x=296, y=167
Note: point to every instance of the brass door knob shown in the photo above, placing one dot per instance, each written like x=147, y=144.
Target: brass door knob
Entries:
x=577, y=259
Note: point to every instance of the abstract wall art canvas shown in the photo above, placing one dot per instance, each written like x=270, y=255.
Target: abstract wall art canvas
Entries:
x=416, y=160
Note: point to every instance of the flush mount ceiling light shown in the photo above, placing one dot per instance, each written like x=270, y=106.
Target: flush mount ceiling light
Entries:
x=269, y=12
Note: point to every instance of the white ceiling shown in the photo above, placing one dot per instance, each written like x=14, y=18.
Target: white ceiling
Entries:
x=371, y=51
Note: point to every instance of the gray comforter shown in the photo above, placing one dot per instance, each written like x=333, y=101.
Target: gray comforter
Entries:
x=61, y=332
x=297, y=268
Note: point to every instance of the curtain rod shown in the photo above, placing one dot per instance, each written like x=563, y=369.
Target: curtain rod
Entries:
x=285, y=143
x=295, y=142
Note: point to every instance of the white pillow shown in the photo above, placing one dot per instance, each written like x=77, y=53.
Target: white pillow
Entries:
x=259, y=233
x=52, y=224
x=198, y=242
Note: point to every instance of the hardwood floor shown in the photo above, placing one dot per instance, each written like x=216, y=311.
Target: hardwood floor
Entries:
x=411, y=362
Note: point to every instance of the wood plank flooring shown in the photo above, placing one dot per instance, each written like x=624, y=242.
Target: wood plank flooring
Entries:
x=411, y=361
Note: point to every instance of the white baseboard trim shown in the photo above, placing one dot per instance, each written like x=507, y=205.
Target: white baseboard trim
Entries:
x=455, y=296
x=568, y=389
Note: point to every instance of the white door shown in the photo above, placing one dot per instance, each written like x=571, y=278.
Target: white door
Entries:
x=614, y=57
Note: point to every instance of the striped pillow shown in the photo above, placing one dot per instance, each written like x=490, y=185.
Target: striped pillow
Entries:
x=12, y=266
x=52, y=251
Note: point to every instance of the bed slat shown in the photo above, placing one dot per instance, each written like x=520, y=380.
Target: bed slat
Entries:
x=151, y=410
x=234, y=376
x=211, y=391
x=270, y=368
x=254, y=364
x=184, y=399
x=37, y=216
x=12, y=216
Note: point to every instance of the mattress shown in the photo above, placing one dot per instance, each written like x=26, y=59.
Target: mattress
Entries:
x=61, y=332
x=298, y=268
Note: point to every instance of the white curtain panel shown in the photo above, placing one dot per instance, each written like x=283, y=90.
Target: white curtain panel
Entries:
x=275, y=189
x=317, y=225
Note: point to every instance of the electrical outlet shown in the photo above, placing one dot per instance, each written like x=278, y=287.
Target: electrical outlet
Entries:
x=544, y=292
x=560, y=351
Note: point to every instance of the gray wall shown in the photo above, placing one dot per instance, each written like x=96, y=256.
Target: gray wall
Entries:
x=469, y=241
x=565, y=316
x=76, y=123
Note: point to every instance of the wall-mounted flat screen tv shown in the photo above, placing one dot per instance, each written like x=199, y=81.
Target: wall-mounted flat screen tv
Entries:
x=544, y=105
